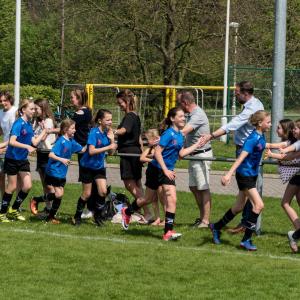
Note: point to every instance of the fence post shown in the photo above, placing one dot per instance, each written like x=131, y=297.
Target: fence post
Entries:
x=259, y=186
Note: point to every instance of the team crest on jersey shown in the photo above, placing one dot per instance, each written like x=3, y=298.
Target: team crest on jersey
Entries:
x=174, y=142
x=65, y=150
x=99, y=142
x=260, y=147
x=24, y=131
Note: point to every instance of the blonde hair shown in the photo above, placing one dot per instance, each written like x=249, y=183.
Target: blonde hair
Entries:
x=257, y=117
x=65, y=125
x=152, y=133
x=24, y=103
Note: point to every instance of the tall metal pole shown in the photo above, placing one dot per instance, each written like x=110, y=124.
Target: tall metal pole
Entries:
x=224, y=118
x=17, y=53
x=278, y=66
x=236, y=28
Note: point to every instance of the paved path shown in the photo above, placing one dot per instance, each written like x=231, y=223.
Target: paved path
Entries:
x=272, y=187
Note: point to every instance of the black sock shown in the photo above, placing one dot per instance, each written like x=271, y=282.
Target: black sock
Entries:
x=40, y=199
x=55, y=206
x=296, y=235
x=99, y=204
x=20, y=198
x=5, y=202
x=133, y=207
x=80, y=207
x=50, y=197
x=169, y=221
x=225, y=220
x=250, y=225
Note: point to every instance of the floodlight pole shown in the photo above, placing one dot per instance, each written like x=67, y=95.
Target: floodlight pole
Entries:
x=278, y=66
x=224, y=118
x=17, y=53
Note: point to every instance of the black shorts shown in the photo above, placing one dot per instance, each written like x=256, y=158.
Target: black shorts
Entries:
x=245, y=182
x=41, y=160
x=130, y=167
x=295, y=180
x=89, y=175
x=155, y=177
x=55, y=181
x=13, y=167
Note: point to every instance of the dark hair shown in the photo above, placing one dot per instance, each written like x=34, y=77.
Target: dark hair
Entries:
x=100, y=115
x=246, y=87
x=129, y=97
x=65, y=125
x=167, y=122
x=287, y=127
x=46, y=109
x=187, y=96
x=7, y=96
x=82, y=96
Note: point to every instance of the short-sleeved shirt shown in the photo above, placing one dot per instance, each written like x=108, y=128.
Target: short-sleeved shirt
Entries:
x=132, y=123
x=99, y=140
x=82, y=125
x=23, y=131
x=172, y=142
x=7, y=118
x=254, y=145
x=198, y=120
x=48, y=143
x=63, y=148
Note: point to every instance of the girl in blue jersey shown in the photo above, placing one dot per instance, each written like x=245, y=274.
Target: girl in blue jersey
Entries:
x=16, y=163
x=246, y=167
x=100, y=140
x=57, y=167
x=161, y=171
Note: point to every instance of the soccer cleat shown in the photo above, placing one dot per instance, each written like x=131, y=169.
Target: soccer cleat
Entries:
x=98, y=221
x=76, y=221
x=52, y=220
x=292, y=242
x=3, y=219
x=125, y=219
x=34, y=206
x=248, y=245
x=15, y=215
x=196, y=223
x=216, y=234
x=171, y=235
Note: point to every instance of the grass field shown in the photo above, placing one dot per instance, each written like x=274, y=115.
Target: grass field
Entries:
x=45, y=261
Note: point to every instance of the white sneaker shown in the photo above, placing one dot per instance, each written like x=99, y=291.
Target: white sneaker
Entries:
x=292, y=241
x=87, y=215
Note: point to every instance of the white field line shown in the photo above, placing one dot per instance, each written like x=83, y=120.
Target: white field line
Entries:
x=160, y=244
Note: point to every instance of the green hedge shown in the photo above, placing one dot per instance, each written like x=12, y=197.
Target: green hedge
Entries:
x=35, y=92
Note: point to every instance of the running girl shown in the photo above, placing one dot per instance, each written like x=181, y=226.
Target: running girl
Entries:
x=246, y=167
x=161, y=171
x=44, y=119
x=100, y=140
x=16, y=163
x=57, y=167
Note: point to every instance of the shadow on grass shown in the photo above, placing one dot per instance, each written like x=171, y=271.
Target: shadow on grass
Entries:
x=142, y=232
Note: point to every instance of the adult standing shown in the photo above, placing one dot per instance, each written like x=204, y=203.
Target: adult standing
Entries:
x=83, y=120
x=244, y=91
x=7, y=118
x=129, y=141
x=197, y=124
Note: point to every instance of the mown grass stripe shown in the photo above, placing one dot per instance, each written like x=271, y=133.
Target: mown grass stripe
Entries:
x=160, y=244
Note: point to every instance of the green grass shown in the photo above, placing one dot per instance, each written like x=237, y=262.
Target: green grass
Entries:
x=45, y=261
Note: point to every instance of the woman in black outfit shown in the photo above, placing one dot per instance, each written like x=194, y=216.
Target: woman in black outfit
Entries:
x=83, y=119
x=129, y=141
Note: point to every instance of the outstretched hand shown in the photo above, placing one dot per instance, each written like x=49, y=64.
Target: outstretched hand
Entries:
x=204, y=139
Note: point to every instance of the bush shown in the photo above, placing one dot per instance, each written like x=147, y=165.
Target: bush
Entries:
x=35, y=92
